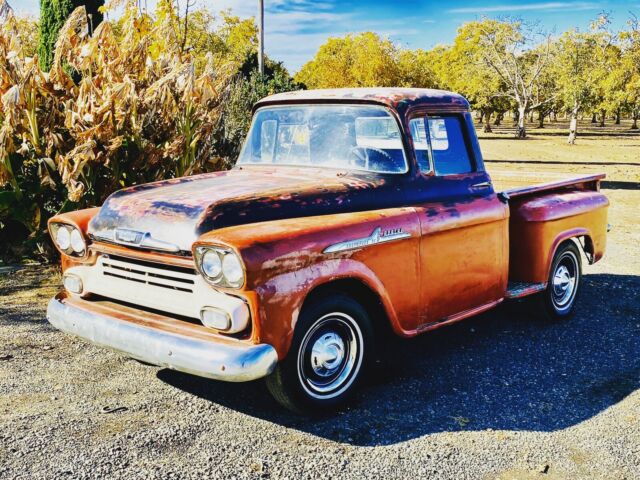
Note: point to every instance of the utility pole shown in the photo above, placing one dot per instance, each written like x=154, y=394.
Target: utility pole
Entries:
x=261, y=36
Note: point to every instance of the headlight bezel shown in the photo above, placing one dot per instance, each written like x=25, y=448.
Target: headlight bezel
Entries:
x=221, y=280
x=70, y=250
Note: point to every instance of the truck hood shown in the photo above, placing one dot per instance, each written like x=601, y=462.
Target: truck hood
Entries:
x=170, y=215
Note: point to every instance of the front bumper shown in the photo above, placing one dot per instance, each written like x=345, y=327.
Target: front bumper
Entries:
x=162, y=341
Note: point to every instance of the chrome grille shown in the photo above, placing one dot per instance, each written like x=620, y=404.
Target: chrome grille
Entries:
x=142, y=272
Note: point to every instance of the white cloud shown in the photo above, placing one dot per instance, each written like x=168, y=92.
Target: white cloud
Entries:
x=529, y=7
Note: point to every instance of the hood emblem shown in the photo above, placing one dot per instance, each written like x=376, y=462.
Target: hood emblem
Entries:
x=377, y=236
x=134, y=238
x=129, y=236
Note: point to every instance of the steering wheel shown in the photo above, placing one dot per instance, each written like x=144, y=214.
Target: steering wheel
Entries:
x=362, y=154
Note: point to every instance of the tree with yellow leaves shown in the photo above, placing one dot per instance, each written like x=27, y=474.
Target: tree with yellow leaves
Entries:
x=367, y=60
x=364, y=60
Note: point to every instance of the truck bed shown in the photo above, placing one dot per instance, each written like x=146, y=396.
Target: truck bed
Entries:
x=546, y=210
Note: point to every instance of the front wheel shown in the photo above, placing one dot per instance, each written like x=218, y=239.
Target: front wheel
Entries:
x=558, y=300
x=331, y=348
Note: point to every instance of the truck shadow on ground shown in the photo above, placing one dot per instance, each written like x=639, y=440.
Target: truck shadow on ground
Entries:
x=503, y=370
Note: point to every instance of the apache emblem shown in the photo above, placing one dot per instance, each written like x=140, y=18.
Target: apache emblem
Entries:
x=377, y=236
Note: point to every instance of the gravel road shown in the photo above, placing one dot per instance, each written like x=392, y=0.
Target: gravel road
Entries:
x=498, y=396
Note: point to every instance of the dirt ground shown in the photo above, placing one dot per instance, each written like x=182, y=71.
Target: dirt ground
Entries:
x=500, y=396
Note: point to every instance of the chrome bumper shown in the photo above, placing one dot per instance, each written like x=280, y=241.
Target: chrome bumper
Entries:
x=221, y=361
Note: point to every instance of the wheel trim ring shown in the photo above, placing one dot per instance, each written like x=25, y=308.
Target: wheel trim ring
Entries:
x=349, y=370
x=565, y=281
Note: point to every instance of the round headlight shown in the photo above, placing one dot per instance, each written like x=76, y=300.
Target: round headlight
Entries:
x=211, y=264
x=232, y=269
x=77, y=242
x=63, y=238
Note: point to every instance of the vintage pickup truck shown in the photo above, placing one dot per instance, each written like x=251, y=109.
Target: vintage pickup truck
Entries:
x=351, y=215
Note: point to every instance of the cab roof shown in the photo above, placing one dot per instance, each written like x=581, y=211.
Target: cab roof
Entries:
x=400, y=99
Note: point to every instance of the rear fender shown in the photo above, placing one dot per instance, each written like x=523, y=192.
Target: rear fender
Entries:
x=573, y=234
x=540, y=224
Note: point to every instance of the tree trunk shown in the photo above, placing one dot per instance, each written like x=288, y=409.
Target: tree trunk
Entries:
x=594, y=118
x=487, y=122
x=499, y=118
x=516, y=117
x=573, y=126
x=521, y=131
x=618, y=117
x=541, y=116
x=636, y=115
x=480, y=117
x=603, y=115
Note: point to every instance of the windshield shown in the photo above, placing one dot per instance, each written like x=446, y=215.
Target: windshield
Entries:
x=348, y=137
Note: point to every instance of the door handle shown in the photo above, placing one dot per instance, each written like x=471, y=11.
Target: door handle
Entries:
x=478, y=186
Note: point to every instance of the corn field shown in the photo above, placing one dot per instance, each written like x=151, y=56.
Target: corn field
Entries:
x=124, y=104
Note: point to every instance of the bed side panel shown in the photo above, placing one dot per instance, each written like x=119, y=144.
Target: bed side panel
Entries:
x=539, y=224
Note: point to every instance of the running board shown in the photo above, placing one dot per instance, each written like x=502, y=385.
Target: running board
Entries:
x=522, y=289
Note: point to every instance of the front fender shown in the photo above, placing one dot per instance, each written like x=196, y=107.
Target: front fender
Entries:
x=285, y=260
x=282, y=297
x=79, y=219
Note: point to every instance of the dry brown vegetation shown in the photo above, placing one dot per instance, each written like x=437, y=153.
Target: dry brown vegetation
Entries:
x=136, y=100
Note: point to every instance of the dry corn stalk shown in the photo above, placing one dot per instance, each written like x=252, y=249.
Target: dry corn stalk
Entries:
x=113, y=109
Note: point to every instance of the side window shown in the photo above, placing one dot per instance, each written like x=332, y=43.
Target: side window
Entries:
x=448, y=146
x=420, y=143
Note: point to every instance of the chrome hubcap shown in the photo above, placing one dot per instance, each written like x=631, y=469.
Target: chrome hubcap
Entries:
x=564, y=281
x=330, y=355
x=327, y=354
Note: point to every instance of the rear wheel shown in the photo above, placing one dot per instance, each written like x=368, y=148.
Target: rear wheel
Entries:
x=559, y=298
x=331, y=348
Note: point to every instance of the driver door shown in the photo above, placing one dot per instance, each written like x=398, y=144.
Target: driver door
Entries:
x=463, y=224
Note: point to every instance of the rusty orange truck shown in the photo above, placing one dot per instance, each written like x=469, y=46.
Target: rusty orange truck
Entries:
x=350, y=213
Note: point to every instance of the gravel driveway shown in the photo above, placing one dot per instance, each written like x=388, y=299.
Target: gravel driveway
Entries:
x=498, y=396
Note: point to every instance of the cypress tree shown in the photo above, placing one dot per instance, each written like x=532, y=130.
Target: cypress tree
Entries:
x=53, y=14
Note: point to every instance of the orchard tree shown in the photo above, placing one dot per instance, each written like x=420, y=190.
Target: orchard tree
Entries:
x=611, y=94
x=507, y=47
x=415, y=68
x=633, y=89
x=608, y=79
x=461, y=68
x=630, y=65
x=579, y=72
x=53, y=15
x=363, y=60
x=544, y=90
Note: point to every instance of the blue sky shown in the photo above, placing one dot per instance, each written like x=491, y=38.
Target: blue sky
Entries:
x=296, y=28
